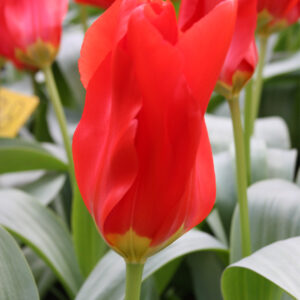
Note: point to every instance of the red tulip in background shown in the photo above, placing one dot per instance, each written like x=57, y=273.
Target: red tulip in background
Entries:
x=142, y=156
x=276, y=14
x=242, y=57
x=33, y=28
x=6, y=46
x=99, y=3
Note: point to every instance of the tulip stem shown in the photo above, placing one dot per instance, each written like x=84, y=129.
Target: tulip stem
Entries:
x=247, y=123
x=58, y=109
x=241, y=174
x=83, y=18
x=134, y=274
x=258, y=82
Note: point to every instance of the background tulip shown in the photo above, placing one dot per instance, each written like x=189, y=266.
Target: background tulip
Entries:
x=99, y=3
x=141, y=151
x=275, y=14
x=242, y=56
x=34, y=28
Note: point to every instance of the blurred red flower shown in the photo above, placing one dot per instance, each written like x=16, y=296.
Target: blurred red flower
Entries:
x=242, y=57
x=142, y=156
x=99, y=3
x=274, y=15
x=32, y=30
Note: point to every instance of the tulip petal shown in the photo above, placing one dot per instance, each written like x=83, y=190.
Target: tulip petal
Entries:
x=103, y=35
x=205, y=46
x=202, y=194
x=30, y=20
x=243, y=41
x=99, y=3
x=103, y=145
x=98, y=43
x=168, y=133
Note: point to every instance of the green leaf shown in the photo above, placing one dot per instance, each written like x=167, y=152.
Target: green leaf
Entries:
x=16, y=280
x=265, y=163
x=206, y=269
x=43, y=275
x=45, y=188
x=164, y=275
x=88, y=243
x=107, y=281
x=272, y=130
x=266, y=273
x=17, y=155
x=40, y=229
x=282, y=67
x=274, y=213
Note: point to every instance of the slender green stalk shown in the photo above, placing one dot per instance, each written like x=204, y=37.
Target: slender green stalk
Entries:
x=241, y=174
x=247, y=126
x=58, y=109
x=134, y=274
x=83, y=18
x=258, y=83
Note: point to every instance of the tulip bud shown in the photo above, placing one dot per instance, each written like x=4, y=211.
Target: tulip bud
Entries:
x=275, y=15
x=34, y=29
x=242, y=57
x=142, y=156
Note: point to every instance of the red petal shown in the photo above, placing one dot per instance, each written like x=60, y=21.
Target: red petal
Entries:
x=201, y=195
x=243, y=41
x=205, y=46
x=98, y=43
x=30, y=20
x=103, y=36
x=167, y=137
x=99, y=3
x=103, y=146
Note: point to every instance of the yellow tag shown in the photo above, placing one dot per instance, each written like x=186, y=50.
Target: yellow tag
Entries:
x=15, y=109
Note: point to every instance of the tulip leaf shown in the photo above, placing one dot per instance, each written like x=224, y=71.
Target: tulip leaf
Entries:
x=107, y=280
x=266, y=274
x=88, y=243
x=265, y=163
x=40, y=229
x=206, y=270
x=17, y=155
x=45, y=188
x=274, y=213
x=16, y=279
x=272, y=130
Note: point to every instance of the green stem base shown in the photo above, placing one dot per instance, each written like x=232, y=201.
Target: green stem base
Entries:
x=134, y=274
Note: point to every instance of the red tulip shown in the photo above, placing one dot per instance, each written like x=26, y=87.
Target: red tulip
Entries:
x=34, y=28
x=275, y=14
x=242, y=57
x=6, y=46
x=142, y=157
x=294, y=14
x=99, y=3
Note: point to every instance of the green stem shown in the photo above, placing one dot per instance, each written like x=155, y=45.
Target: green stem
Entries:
x=83, y=18
x=58, y=109
x=258, y=83
x=134, y=274
x=247, y=125
x=241, y=174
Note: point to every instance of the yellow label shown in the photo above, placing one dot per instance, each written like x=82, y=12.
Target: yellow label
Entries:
x=15, y=109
